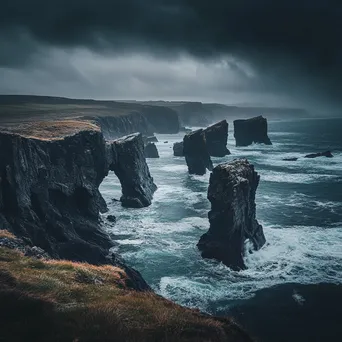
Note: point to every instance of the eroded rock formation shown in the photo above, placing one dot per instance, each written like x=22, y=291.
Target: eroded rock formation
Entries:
x=130, y=166
x=49, y=192
x=216, y=137
x=254, y=130
x=178, y=149
x=231, y=192
x=196, y=153
x=151, y=150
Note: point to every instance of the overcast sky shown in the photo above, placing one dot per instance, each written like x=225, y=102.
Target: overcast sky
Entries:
x=269, y=52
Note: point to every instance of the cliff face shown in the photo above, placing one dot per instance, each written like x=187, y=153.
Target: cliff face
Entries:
x=216, y=137
x=130, y=166
x=231, y=192
x=254, y=130
x=114, y=127
x=147, y=120
x=49, y=191
x=196, y=153
x=163, y=120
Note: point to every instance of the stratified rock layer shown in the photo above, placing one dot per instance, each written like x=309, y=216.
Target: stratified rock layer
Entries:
x=178, y=149
x=131, y=169
x=232, y=219
x=196, y=153
x=216, y=137
x=254, y=130
x=151, y=151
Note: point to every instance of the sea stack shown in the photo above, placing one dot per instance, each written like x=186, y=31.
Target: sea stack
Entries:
x=254, y=130
x=196, y=153
x=231, y=192
x=216, y=137
x=178, y=149
x=151, y=150
x=130, y=166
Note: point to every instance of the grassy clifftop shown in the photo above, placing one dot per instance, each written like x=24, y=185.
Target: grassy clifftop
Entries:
x=54, y=300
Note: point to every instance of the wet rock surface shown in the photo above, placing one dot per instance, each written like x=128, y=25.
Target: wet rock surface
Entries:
x=231, y=192
x=216, y=138
x=326, y=154
x=130, y=167
x=290, y=159
x=178, y=149
x=49, y=194
x=196, y=153
x=151, y=151
x=254, y=130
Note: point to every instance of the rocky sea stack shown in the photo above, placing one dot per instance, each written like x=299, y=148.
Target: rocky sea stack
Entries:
x=216, y=137
x=178, y=150
x=196, y=153
x=231, y=192
x=151, y=150
x=130, y=166
x=254, y=130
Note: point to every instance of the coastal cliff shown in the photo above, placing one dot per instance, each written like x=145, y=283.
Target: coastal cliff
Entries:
x=254, y=130
x=231, y=192
x=58, y=279
x=50, y=174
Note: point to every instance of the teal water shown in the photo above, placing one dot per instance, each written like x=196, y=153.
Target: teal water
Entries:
x=299, y=205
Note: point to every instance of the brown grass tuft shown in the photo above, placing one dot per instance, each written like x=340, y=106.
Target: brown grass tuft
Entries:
x=6, y=234
x=54, y=130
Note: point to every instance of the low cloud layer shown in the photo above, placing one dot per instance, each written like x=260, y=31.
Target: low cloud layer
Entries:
x=243, y=48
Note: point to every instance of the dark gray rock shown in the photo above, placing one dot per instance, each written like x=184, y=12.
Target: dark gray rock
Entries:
x=166, y=142
x=196, y=153
x=216, y=137
x=178, y=149
x=254, y=130
x=232, y=219
x=291, y=159
x=327, y=154
x=49, y=194
x=111, y=218
x=130, y=166
x=151, y=151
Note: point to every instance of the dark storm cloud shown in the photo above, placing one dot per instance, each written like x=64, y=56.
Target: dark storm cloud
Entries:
x=279, y=38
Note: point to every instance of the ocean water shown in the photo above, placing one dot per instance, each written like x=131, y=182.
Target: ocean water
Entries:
x=299, y=205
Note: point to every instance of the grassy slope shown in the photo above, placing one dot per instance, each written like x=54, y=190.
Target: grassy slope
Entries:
x=50, y=300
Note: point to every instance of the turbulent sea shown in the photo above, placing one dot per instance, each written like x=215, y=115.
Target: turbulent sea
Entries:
x=299, y=205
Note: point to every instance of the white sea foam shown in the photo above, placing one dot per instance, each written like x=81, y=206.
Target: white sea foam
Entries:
x=286, y=177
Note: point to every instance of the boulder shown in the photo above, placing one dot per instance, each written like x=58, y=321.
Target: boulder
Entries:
x=151, y=151
x=196, y=154
x=231, y=192
x=216, y=137
x=111, y=218
x=327, y=154
x=178, y=149
x=291, y=159
x=254, y=130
